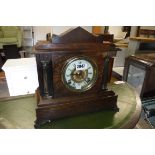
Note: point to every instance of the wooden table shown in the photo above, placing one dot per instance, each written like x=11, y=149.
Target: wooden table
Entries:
x=19, y=112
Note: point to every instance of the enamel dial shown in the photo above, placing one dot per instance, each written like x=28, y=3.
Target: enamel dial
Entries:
x=79, y=74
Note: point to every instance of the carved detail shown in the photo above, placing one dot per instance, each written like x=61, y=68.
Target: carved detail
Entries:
x=45, y=75
x=106, y=68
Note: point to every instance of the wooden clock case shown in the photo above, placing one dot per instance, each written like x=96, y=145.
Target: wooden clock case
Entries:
x=54, y=100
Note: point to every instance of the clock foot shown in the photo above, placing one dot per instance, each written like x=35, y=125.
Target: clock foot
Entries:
x=39, y=123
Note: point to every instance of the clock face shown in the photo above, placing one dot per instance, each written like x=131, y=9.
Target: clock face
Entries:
x=79, y=74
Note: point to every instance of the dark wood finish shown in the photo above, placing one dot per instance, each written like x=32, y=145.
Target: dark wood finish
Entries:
x=65, y=107
x=106, y=37
x=138, y=28
x=75, y=36
x=146, y=45
x=59, y=61
x=54, y=99
x=146, y=32
x=46, y=46
x=45, y=85
x=147, y=63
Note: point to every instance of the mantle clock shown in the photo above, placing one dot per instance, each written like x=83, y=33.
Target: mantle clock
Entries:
x=73, y=72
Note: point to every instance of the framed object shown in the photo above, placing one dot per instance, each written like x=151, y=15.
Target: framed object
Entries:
x=139, y=71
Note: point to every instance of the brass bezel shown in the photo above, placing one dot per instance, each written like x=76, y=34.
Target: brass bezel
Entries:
x=95, y=76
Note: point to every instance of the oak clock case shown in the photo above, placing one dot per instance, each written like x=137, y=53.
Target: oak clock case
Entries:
x=73, y=73
x=52, y=83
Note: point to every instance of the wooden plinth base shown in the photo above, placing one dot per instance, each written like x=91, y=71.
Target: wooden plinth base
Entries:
x=51, y=109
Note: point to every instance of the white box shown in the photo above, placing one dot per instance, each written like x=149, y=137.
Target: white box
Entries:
x=21, y=75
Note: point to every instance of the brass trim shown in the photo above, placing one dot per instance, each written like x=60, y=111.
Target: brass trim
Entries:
x=94, y=79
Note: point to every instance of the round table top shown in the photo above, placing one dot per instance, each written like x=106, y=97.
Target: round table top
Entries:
x=19, y=112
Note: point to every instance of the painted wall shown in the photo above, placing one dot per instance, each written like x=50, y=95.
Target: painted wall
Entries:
x=40, y=32
x=115, y=30
x=133, y=31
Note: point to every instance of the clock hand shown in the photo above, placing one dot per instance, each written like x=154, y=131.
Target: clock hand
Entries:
x=85, y=81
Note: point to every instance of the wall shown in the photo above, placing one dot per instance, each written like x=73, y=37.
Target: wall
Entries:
x=133, y=31
x=115, y=30
x=40, y=32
